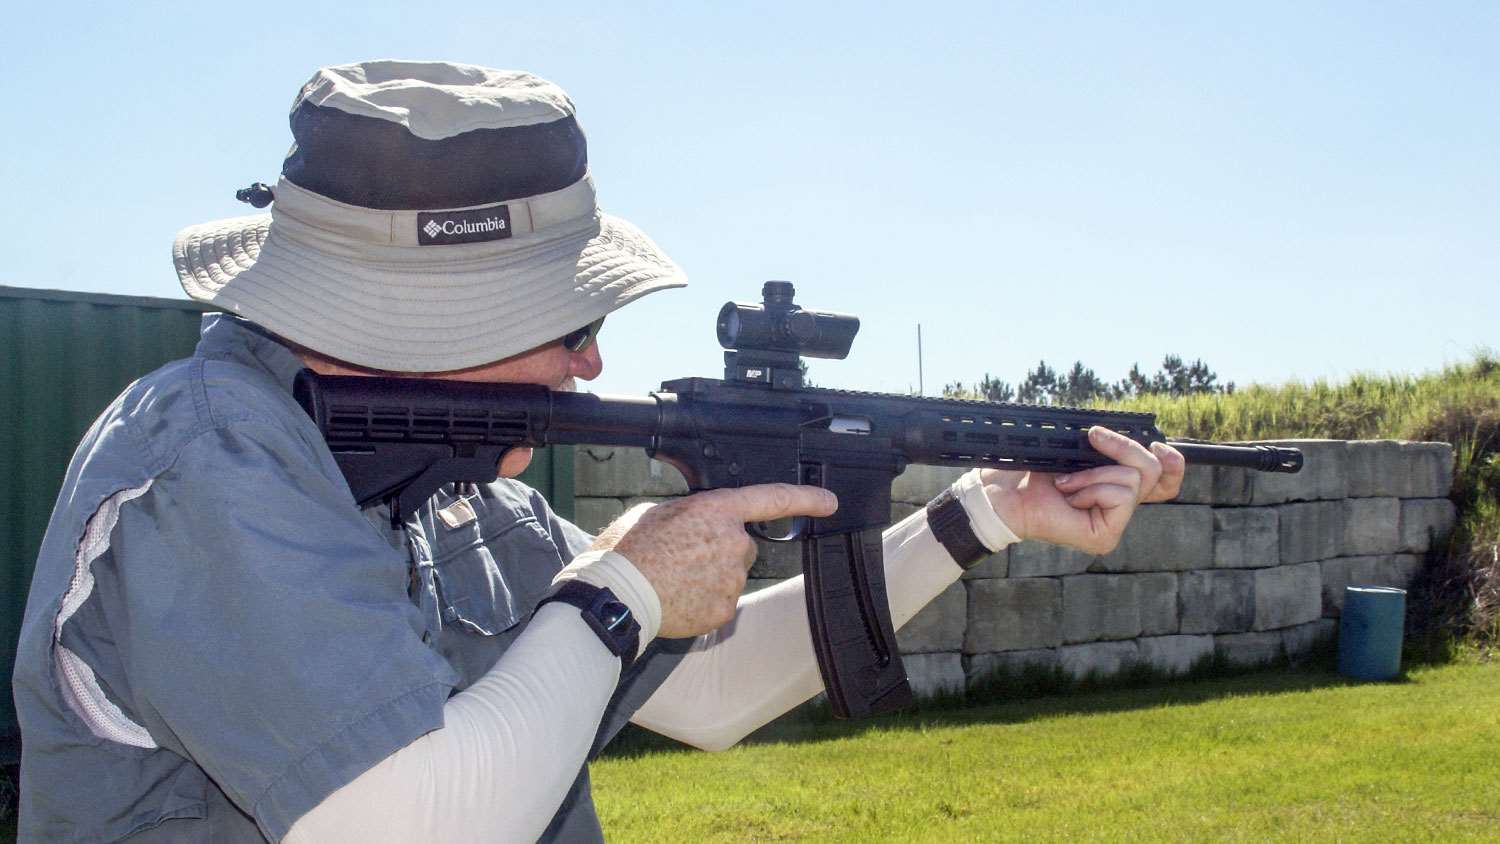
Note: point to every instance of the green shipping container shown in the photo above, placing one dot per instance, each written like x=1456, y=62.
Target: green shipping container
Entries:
x=63, y=357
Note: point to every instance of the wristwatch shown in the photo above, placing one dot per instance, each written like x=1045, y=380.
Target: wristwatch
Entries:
x=606, y=615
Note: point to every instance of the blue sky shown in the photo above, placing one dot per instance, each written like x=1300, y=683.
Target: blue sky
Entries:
x=1284, y=190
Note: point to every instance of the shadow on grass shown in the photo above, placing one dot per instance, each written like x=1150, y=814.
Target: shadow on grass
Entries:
x=1017, y=697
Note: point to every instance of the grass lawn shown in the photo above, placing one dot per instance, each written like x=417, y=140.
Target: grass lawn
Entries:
x=1279, y=756
x=1289, y=755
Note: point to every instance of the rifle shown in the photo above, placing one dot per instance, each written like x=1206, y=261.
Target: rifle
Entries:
x=399, y=439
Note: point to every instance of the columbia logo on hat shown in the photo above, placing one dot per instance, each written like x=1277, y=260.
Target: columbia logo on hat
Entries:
x=443, y=228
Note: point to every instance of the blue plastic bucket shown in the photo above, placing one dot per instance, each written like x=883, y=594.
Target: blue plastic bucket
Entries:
x=1370, y=631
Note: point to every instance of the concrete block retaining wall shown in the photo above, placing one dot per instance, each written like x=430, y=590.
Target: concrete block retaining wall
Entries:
x=1245, y=565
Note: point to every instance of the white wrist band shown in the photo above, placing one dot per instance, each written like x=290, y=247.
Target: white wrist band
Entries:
x=988, y=527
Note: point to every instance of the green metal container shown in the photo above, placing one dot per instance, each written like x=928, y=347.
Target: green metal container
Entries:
x=1370, y=632
x=63, y=357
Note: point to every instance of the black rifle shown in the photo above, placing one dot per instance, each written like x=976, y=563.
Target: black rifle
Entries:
x=398, y=440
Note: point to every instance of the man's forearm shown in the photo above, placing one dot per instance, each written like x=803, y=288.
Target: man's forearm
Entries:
x=508, y=751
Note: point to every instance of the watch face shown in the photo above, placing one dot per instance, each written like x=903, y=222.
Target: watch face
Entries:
x=614, y=615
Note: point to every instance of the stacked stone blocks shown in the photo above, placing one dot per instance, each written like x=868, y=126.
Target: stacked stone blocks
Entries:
x=1247, y=566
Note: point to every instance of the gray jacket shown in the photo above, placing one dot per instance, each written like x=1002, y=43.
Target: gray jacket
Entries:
x=217, y=637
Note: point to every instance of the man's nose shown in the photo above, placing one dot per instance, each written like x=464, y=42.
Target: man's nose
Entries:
x=587, y=364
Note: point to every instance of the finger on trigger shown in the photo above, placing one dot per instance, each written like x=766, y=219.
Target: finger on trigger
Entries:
x=768, y=502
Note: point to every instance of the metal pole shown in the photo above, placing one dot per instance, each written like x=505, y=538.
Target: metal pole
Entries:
x=921, y=390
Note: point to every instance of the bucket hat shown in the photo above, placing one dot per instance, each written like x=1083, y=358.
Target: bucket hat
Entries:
x=430, y=216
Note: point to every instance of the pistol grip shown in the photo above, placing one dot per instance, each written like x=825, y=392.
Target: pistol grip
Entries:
x=844, y=578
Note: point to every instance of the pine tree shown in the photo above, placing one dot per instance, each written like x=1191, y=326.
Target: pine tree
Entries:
x=1040, y=385
x=1080, y=386
x=993, y=389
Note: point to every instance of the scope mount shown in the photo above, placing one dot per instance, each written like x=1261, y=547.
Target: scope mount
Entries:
x=765, y=343
x=777, y=370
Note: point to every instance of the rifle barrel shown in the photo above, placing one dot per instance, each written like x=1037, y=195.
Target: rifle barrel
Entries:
x=1262, y=458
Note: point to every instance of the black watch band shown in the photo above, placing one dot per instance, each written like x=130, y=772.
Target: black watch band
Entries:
x=950, y=524
x=608, y=616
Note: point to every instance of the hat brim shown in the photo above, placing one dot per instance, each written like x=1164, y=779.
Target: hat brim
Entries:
x=421, y=309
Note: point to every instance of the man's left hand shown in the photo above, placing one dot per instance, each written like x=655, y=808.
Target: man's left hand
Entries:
x=1089, y=509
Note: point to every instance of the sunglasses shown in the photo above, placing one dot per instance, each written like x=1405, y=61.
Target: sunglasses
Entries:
x=580, y=339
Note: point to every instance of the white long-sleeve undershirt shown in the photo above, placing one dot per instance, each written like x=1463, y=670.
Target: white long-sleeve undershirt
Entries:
x=512, y=743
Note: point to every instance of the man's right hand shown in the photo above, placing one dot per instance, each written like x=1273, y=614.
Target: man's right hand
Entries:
x=695, y=552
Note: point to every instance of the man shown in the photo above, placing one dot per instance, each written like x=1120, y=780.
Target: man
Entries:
x=220, y=645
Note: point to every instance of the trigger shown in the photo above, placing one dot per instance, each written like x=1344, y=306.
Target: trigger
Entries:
x=795, y=532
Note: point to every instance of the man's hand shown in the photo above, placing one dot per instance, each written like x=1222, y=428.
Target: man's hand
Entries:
x=695, y=551
x=1087, y=510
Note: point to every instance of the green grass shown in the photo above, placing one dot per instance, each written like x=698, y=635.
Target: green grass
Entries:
x=1279, y=756
x=1284, y=755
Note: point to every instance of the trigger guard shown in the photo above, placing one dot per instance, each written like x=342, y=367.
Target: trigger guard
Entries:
x=794, y=533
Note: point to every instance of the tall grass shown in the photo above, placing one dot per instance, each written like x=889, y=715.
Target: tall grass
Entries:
x=1448, y=405
x=1459, y=592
